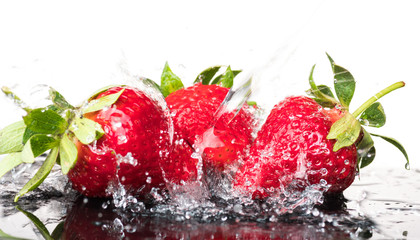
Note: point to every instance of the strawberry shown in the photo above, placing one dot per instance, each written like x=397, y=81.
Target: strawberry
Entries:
x=306, y=141
x=129, y=151
x=193, y=110
x=221, y=141
x=120, y=136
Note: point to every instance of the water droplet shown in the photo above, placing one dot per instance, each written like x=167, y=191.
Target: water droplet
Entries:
x=273, y=219
x=237, y=208
x=118, y=225
x=315, y=212
x=122, y=139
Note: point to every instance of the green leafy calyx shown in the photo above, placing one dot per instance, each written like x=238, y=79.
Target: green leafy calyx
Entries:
x=347, y=130
x=49, y=130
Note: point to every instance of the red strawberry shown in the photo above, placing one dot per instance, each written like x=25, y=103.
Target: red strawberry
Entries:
x=130, y=151
x=121, y=137
x=221, y=141
x=292, y=145
x=193, y=111
x=180, y=166
x=303, y=142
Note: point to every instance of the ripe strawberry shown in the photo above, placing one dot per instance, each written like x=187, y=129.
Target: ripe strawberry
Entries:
x=131, y=149
x=121, y=136
x=221, y=141
x=193, y=112
x=292, y=145
x=308, y=141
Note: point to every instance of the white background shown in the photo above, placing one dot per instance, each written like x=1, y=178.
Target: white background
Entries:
x=80, y=46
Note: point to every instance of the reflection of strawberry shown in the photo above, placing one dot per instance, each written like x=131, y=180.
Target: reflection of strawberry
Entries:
x=89, y=220
x=135, y=136
x=308, y=141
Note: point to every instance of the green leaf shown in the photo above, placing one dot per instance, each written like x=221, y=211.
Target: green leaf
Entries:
x=344, y=83
x=36, y=146
x=86, y=130
x=368, y=157
x=38, y=224
x=169, y=81
x=227, y=78
x=365, y=150
x=346, y=130
x=27, y=135
x=252, y=103
x=207, y=75
x=218, y=79
x=45, y=121
x=6, y=236
x=373, y=116
x=58, y=231
x=11, y=137
x=151, y=83
x=326, y=90
x=397, y=145
x=68, y=154
x=9, y=162
x=40, y=175
x=104, y=89
x=365, y=143
x=59, y=100
x=105, y=101
x=27, y=154
x=322, y=94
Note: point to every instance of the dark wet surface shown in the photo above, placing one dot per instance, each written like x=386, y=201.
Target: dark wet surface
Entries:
x=384, y=204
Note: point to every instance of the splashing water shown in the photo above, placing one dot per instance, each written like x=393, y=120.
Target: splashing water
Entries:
x=203, y=208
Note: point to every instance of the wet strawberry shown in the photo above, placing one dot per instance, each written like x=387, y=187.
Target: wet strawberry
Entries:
x=120, y=137
x=292, y=145
x=131, y=149
x=180, y=166
x=222, y=141
x=308, y=141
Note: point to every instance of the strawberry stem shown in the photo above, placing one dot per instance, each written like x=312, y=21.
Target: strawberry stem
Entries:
x=377, y=96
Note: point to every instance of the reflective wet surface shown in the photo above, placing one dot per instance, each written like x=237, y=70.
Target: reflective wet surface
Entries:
x=383, y=204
